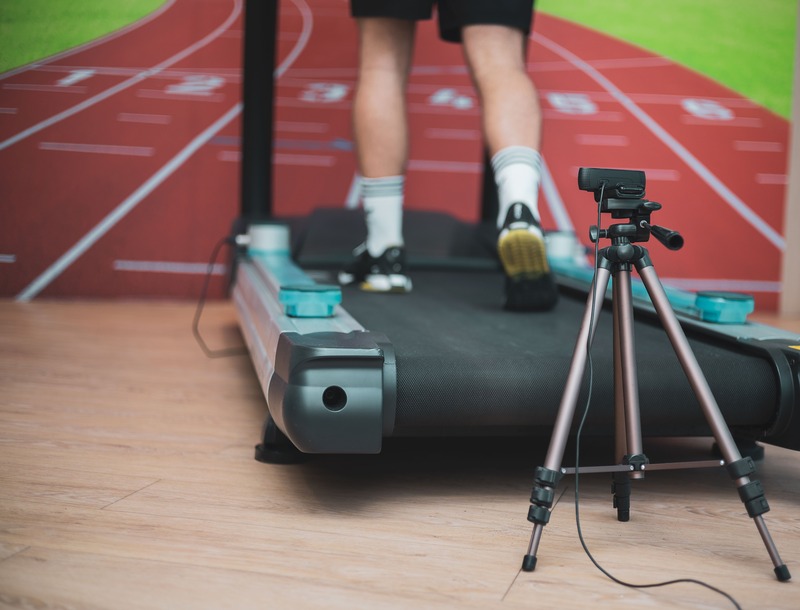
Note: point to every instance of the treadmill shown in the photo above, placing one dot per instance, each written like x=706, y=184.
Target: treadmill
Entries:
x=341, y=369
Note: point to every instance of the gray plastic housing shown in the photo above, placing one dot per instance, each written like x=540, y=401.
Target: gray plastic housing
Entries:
x=330, y=385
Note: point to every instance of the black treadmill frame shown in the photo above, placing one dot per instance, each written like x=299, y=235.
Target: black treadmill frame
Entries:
x=297, y=360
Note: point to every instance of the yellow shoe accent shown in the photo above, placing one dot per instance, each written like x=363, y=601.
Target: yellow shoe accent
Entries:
x=523, y=254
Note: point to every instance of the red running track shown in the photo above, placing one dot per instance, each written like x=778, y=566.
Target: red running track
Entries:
x=120, y=161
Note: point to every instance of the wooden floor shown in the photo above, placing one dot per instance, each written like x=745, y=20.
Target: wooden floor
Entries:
x=127, y=480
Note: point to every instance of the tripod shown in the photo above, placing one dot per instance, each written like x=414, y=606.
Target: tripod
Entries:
x=620, y=192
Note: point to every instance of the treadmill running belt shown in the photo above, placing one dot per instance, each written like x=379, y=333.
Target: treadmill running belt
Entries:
x=463, y=363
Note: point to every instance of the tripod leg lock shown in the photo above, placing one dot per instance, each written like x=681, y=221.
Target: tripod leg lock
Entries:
x=539, y=514
x=546, y=477
x=752, y=492
x=543, y=494
x=752, y=496
x=742, y=467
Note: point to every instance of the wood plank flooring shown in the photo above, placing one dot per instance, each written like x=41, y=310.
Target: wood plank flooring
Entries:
x=127, y=481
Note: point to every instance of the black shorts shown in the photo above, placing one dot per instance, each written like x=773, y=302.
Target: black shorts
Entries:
x=453, y=14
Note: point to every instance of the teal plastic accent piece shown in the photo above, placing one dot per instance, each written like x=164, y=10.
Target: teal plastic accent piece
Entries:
x=714, y=307
x=253, y=251
x=300, y=295
x=724, y=307
x=310, y=300
x=283, y=268
x=680, y=300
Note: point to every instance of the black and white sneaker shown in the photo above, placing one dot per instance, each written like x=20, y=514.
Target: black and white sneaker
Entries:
x=530, y=285
x=385, y=273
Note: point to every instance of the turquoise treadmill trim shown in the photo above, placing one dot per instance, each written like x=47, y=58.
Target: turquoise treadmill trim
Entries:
x=300, y=295
x=299, y=301
x=722, y=311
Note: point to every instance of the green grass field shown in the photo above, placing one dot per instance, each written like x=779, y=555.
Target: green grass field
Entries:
x=747, y=46
x=35, y=29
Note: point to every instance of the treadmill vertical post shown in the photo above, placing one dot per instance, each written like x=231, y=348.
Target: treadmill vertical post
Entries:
x=258, y=94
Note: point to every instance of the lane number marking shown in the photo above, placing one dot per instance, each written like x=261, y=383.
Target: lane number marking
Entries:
x=324, y=93
x=572, y=103
x=196, y=84
x=707, y=109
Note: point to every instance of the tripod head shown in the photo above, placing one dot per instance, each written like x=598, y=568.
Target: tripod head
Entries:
x=621, y=193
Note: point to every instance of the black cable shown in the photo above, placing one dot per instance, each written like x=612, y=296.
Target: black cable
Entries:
x=578, y=448
x=212, y=353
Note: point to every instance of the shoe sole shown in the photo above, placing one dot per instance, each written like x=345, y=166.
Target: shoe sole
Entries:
x=523, y=255
x=345, y=279
x=529, y=284
x=395, y=283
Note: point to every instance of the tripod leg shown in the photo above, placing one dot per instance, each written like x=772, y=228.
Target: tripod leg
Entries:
x=630, y=381
x=740, y=469
x=620, y=434
x=620, y=481
x=626, y=396
x=546, y=477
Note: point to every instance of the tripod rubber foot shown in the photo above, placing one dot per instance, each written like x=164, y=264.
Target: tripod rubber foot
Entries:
x=782, y=572
x=529, y=563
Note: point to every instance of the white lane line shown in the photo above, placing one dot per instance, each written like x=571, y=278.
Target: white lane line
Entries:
x=43, y=88
x=604, y=116
x=169, y=267
x=748, y=146
x=673, y=99
x=311, y=160
x=235, y=156
x=9, y=110
x=232, y=156
x=308, y=23
x=237, y=8
x=156, y=94
x=456, y=167
x=751, y=122
x=147, y=119
x=781, y=179
x=436, y=133
x=169, y=74
x=555, y=202
x=105, y=225
x=102, y=149
x=353, y=198
x=419, y=108
x=592, y=139
x=74, y=77
x=602, y=64
x=8, y=258
x=676, y=147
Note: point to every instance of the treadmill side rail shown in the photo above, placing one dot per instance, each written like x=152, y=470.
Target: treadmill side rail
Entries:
x=330, y=385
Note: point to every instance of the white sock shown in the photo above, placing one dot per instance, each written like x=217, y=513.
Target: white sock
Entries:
x=382, y=199
x=517, y=172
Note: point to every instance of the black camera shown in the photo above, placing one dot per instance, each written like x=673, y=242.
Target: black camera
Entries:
x=612, y=183
x=620, y=192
